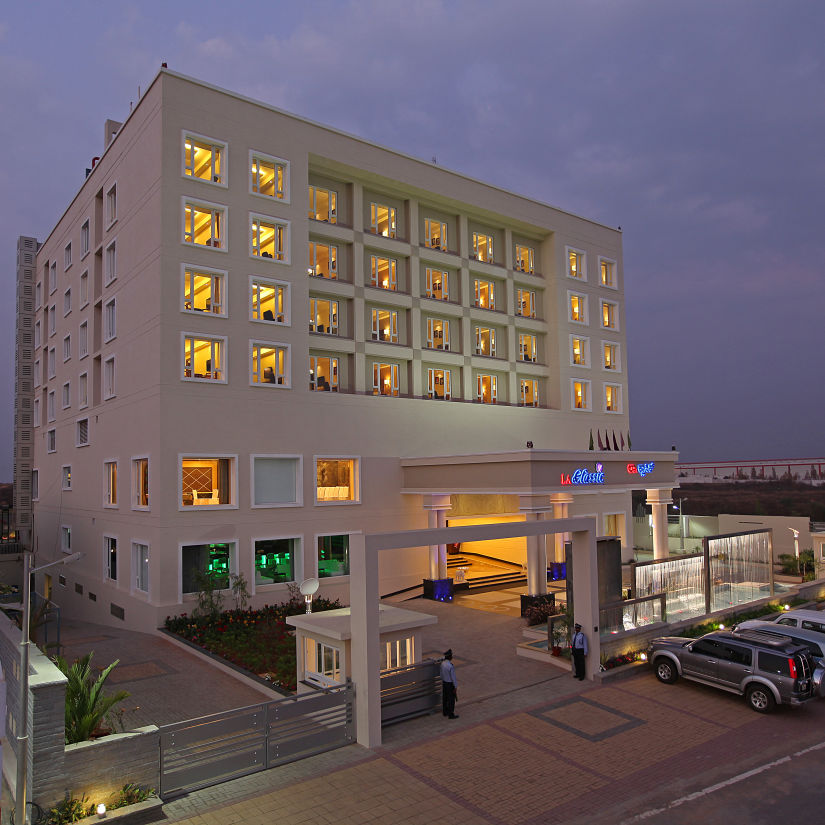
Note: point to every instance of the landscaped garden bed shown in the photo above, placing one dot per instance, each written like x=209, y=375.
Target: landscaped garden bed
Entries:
x=258, y=641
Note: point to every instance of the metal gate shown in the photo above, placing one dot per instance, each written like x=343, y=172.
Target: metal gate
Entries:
x=212, y=749
x=414, y=690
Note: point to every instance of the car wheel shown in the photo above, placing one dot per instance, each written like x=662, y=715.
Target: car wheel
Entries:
x=665, y=671
x=760, y=698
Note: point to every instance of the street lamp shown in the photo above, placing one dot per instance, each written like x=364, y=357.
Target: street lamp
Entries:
x=20, y=815
x=796, y=548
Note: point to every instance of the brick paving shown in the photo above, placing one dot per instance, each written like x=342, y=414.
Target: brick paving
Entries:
x=532, y=745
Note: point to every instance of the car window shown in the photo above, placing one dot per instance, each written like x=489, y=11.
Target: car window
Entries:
x=706, y=647
x=774, y=663
x=786, y=620
x=808, y=625
x=734, y=653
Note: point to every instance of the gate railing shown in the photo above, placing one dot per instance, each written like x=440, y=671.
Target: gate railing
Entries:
x=410, y=691
x=212, y=749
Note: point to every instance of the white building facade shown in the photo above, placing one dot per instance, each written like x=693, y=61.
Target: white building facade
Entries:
x=252, y=333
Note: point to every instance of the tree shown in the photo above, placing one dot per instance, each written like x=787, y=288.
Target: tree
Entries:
x=86, y=706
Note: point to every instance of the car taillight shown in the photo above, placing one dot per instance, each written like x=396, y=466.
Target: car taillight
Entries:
x=792, y=667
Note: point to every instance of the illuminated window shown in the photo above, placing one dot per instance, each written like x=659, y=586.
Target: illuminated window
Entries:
x=575, y=265
x=438, y=333
x=482, y=247
x=383, y=272
x=383, y=220
x=610, y=357
x=336, y=479
x=110, y=557
x=610, y=315
x=385, y=379
x=110, y=484
x=484, y=294
x=485, y=341
x=526, y=303
x=269, y=364
x=276, y=481
x=110, y=263
x=435, y=234
x=203, y=158
x=385, y=325
x=322, y=662
x=323, y=260
x=581, y=395
x=203, y=358
x=524, y=259
x=275, y=560
x=140, y=566
x=397, y=653
x=203, y=291
x=206, y=566
x=323, y=373
x=111, y=205
x=323, y=316
x=526, y=347
x=84, y=239
x=269, y=300
x=66, y=476
x=486, y=389
x=438, y=284
x=612, y=398
x=140, y=482
x=268, y=176
x=528, y=392
x=438, y=384
x=203, y=224
x=578, y=308
x=323, y=204
x=333, y=556
x=207, y=481
x=579, y=351
x=269, y=239
x=607, y=272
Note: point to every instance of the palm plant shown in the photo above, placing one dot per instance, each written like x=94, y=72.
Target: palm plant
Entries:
x=86, y=706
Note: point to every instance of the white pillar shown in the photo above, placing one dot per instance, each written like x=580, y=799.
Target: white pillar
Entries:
x=586, y=595
x=436, y=507
x=658, y=501
x=561, y=505
x=365, y=666
x=534, y=508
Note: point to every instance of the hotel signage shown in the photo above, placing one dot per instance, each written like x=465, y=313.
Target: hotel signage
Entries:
x=584, y=476
x=642, y=468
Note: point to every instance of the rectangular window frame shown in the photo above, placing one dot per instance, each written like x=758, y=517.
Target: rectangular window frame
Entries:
x=609, y=315
x=478, y=346
x=617, y=357
x=492, y=380
x=67, y=302
x=383, y=220
x=84, y=288
x=110, y=263
x=110, y=481
x=216, y=304
x=109, y=378
x=66, y=477
x=607, y=273
x=83, y=390
x=218, y=353
x=315, y=212
x=533, y=385
x=433, y=383
x=435, y=234
x=110, y=570
x=315, y=377
x=525, y=303
x=141, y=489
x=296, y=561
x=218, y=224
x=232, y=480
x=232, y=563
x=379, y=332
x=479, y=285
x=377, y=383
x=67, y=348
x=356, y=481
x=314, y=268
x=218, y=163
x=281, y=301
x=527, y=347
x=437, y=284
x=67, y=396
x=584, y=312
x=111, y=205
x=581, y=400
x=323, y=308
x=282, y=377
x=281, y=183
x=65, y=538
x=434, y=335
x=280, y=241
x=390, y=281
x=81, y=428
x=82, y=340
x=109, y=320
x=299, y=481
x=575, y=262
x=482, y=247
x=524, y=259
x=85, y=238
x=67, y=256
x=51, y=440
x=141, y=567
x=616, y=391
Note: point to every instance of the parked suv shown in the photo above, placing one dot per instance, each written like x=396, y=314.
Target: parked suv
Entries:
x=765, y=668
x=805, y=619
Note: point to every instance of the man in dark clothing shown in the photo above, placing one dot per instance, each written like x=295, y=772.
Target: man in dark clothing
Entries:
x=578, y=647
x=449, y=692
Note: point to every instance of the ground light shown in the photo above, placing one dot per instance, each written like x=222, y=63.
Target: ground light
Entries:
x=101, y=810
x=21, y=815
x=643, y=657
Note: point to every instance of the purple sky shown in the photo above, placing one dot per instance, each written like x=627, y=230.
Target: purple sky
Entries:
x=698, y=126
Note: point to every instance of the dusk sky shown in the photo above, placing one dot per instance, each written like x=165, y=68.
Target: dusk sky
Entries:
x=698, y=126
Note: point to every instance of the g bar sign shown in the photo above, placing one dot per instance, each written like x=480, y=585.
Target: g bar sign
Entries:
x=584, y=476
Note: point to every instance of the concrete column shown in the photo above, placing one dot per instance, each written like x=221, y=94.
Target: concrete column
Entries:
x=561, y=505
x=586, y=595
x=535, y=507
x=365, y=666
x=436, y=507
x=658, y=501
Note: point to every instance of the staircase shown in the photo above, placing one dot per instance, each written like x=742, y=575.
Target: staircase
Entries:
x=508, y=572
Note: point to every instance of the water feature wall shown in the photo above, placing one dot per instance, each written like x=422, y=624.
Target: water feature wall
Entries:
x=681, y=579
x=740, y=568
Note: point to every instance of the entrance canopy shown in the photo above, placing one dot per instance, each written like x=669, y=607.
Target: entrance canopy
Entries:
x=539, y=472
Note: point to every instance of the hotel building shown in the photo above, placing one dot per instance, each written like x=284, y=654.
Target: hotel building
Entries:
x=250, y=336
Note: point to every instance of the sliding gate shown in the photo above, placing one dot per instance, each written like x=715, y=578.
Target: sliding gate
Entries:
x=212, y=749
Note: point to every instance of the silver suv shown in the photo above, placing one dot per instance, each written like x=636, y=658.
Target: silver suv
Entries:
x=767, y=669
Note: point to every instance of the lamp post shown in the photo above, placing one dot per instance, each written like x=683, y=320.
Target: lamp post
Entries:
x=796, y=548
x=20, y=815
